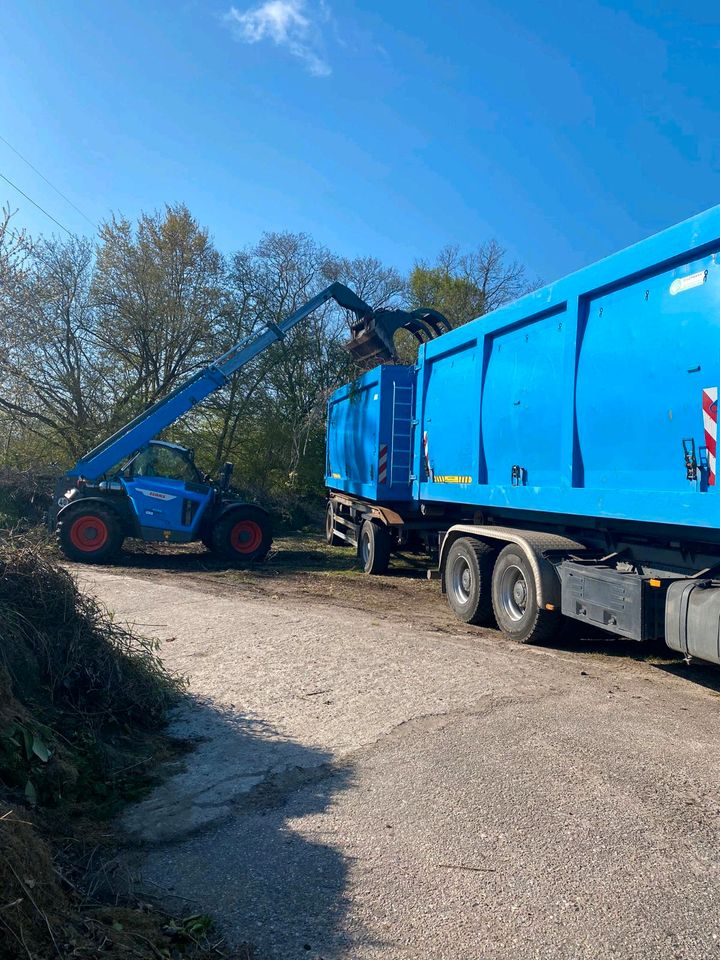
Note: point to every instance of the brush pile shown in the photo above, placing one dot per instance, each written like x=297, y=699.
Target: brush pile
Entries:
x=25, y=495
x=82, y=706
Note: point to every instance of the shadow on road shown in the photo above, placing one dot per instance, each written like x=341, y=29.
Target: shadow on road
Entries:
x=292, y=554
x=239, y=834
x=655, y=653
x=704, y=674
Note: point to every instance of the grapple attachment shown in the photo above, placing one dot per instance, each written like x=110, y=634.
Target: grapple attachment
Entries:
x=372, y=335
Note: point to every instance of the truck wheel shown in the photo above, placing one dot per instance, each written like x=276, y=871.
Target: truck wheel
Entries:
x=467, y=579
x=374, y=548
x=244, y=534
x=330, y=537
x=514, y=599
x=91, y=534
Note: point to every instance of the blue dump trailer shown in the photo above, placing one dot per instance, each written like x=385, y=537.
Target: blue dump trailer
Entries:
x=558, y=454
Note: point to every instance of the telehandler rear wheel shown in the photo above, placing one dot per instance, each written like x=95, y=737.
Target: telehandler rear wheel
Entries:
x=244, y=534
x=91, y=534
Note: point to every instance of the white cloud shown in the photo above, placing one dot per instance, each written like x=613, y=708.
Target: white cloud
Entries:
x=287, y=24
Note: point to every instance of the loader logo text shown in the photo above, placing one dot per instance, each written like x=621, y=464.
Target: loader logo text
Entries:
x=155, y=495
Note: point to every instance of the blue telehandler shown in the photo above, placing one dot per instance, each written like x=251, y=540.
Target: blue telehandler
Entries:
x=134, y=485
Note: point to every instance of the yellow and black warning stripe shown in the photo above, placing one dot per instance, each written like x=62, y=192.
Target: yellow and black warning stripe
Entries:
x=442, y=478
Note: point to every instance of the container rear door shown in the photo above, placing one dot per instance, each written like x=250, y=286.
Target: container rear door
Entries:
x=352, y=438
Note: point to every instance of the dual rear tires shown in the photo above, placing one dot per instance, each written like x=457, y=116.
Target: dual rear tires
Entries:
x=330, y=538
x=483, y=585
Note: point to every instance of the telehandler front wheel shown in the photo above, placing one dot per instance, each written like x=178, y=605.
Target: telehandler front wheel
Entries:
x=244, y=534
x=91, y=534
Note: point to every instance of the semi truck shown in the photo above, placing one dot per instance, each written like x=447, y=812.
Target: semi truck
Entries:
x=558, y=455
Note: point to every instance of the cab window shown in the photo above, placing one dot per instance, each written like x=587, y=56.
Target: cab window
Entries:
x=164, y=462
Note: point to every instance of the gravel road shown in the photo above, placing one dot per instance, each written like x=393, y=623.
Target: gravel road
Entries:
x=373, y=780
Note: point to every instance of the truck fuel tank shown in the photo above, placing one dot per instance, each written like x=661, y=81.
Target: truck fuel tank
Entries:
x=692, y=618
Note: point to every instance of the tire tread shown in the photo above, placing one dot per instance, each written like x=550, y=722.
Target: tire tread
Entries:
x=106, y=553
x=543, y=625
x=484, y=555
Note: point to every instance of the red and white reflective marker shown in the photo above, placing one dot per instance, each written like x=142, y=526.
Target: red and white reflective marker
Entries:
x=382, y=465
x=710, y=418
x=426, y=454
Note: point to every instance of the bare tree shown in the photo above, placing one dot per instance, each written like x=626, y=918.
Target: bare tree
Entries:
x=466, y=285
x=371, y=280
x=53, y=382
x=500, y=279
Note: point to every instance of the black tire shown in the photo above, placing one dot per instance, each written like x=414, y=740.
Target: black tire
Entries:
x=330, y=537
x=467, y=580
x=91, y=534
x=374, y=548
x=244, y=534
x=514, y=598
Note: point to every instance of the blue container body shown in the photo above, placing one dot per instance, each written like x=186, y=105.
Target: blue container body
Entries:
x=369, y=436
x=581, y=398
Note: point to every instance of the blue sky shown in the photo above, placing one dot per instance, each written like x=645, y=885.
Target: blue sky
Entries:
x=565, y=130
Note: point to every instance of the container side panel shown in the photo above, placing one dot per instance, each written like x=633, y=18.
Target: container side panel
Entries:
x=451, y=430
x=648, y=351
x=523, y=404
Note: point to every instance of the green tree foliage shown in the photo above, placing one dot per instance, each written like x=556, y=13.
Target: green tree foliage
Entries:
x=463, y=286
x=157, y=292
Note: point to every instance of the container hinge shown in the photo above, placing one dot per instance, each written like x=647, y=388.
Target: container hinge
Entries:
x=691, y=467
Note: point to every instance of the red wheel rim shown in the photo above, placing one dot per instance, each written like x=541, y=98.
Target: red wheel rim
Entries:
x=246, y=536
x=89, y=533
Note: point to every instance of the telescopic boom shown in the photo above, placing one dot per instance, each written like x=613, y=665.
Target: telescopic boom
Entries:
x=371, y=337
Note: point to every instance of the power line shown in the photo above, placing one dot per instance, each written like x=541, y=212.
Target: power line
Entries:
x=49, y=215
x=48, y=182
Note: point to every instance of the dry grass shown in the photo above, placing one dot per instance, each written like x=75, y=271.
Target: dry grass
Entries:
x=82, y=705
